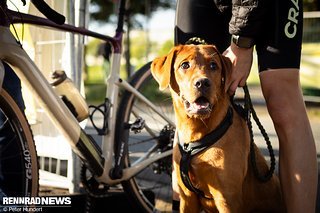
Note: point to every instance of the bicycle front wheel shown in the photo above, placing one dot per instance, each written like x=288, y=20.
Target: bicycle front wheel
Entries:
x=141, y=133
x=18, y=158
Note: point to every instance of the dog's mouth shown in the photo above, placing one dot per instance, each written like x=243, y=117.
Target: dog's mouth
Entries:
x=200, y=106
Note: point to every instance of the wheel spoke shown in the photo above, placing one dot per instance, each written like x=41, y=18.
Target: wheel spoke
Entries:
x=151, y=188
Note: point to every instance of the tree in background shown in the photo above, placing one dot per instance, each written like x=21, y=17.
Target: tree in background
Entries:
x=105, y=10
x=311, y=5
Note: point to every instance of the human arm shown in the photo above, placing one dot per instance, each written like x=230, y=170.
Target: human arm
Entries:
x=247, y=24
x=248, y=17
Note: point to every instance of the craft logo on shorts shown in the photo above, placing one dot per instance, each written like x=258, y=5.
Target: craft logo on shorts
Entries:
x=32, y=204
x=290, y=28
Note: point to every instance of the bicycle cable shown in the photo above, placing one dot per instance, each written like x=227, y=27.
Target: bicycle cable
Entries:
x=19, y=41
x=104, y=109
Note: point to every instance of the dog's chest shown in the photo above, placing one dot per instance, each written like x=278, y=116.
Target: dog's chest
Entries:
x=207, y=163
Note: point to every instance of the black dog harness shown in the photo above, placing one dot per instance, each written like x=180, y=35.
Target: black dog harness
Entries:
x=188, y=150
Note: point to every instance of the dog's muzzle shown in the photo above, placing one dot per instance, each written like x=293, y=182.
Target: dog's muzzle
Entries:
x=200, y=106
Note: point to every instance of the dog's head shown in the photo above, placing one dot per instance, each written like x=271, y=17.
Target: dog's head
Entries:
x=196, y=76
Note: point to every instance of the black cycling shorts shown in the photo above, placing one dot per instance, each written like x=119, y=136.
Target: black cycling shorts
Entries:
x=279, y=45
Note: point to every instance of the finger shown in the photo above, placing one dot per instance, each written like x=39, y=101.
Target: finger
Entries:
x=226, y=51
x=233, y=87
x=242, y=83
x=227, y=86
x=231, y=92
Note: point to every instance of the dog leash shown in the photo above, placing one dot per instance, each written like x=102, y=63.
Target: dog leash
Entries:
x=248, y=107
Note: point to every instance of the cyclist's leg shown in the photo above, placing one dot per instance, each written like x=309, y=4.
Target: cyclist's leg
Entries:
x=200, y=18
x=12, y=84
x=2, y=194
x=279, y=62
x=298, y=165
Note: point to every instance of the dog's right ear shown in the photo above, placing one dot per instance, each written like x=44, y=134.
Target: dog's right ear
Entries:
x=162, y=67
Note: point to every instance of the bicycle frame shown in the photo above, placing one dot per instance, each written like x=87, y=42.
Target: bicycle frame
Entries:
x=98, y=163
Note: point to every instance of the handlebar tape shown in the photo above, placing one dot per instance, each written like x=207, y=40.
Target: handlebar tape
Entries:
x=47, y=11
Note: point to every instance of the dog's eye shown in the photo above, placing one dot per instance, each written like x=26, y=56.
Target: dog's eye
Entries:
x=213, y=65
x=185, y=65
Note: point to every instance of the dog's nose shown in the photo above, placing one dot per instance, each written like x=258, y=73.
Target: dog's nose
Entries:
x=202, y=83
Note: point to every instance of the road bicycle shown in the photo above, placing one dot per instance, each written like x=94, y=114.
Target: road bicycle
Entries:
x=137, y=132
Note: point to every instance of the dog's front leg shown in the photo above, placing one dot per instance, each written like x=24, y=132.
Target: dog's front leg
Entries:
x=229, y=203
x=189, y=203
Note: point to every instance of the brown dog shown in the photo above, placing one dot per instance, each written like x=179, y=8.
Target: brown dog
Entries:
x=221, y=175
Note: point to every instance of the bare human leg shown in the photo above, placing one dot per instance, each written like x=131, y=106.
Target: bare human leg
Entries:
x=298, y=158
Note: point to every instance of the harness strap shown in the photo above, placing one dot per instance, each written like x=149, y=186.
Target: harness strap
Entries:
x=184, y=172
x=188, y=150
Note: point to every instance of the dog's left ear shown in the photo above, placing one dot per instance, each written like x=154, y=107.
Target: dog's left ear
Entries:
x=226, y=68
x=162, y=67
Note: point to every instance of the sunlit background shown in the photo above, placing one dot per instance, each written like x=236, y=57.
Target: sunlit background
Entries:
x=149, y=33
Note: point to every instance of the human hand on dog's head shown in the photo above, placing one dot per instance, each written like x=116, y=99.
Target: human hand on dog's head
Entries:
x=195, y=73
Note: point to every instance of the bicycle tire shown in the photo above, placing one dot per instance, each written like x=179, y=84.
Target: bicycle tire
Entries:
x=147, y=191
x=19, y=175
